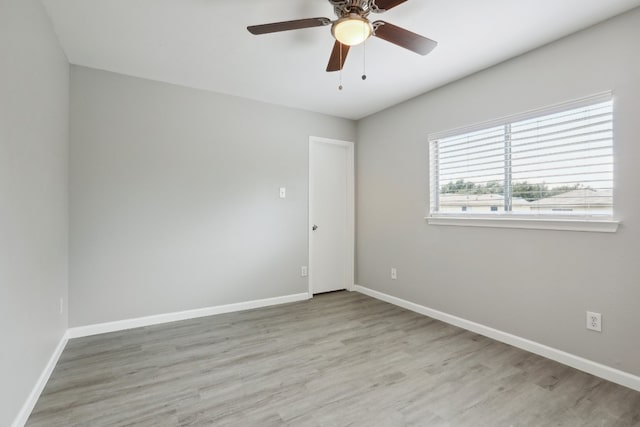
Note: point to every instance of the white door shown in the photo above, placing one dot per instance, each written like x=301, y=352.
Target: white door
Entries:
x=331, y=213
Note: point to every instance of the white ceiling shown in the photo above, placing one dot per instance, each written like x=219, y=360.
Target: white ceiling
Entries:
x=204, y=44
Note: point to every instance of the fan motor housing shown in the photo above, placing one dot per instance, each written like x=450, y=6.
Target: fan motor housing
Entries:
x=344, y=8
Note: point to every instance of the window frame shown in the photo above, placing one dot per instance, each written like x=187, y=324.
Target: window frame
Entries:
x=503, y=219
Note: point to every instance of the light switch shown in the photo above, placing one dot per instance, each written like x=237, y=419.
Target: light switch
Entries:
x=283, y=193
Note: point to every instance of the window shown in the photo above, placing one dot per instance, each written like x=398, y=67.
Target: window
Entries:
x=555, y=163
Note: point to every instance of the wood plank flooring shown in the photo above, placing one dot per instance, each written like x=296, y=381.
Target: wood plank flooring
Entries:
x=341, y=359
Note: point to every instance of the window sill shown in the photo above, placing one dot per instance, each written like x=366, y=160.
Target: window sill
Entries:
x=565, y=224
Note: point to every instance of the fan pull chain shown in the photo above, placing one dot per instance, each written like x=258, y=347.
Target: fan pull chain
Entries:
x=340, y=73
x=364, y=61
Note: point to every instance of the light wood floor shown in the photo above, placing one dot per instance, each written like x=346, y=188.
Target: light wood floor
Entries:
x=341, y=359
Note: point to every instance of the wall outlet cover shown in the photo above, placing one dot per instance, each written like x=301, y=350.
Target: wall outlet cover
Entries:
x=594, y=321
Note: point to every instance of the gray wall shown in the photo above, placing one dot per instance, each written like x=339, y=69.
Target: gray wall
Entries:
x=531, y=283
x=174, y=197
x=34, y=87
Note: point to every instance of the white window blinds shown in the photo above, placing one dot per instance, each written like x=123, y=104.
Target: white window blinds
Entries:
x=554, y=162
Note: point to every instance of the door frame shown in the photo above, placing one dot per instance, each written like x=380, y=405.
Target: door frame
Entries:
x=349, y=251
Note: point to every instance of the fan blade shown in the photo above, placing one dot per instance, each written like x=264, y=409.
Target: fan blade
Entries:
x=403, y=38
x=379, y=6
x=336, y=61
x=288, y=25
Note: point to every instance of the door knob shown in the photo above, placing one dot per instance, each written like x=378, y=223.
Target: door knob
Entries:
x=314, y=228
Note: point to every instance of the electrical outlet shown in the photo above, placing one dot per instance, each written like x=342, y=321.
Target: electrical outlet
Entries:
x=304, y=272
x=594, y=321
x=394, y=273
x=61, y=305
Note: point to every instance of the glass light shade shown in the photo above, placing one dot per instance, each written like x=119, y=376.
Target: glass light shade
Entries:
x=351, y=30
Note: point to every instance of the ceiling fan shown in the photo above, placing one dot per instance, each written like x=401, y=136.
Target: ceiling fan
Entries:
x=353, y=27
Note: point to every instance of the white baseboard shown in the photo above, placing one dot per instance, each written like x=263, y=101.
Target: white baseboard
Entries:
x=603, y=371
x=121, y=325
x=30, y=403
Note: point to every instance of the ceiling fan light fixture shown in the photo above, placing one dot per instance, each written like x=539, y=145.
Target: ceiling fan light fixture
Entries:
x=351, y=30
